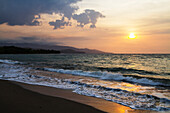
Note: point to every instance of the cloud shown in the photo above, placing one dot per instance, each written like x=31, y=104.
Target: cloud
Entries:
x=32, y=40
x=160, y=20
x=43, y=41
x=60, y=24
x=88, y=17
x=28, y=38
x=154, y=25
x=156, y=31
x=28, y=12
x=92, y=26
x=23, y=12
x=82, y=18
x=72, y=39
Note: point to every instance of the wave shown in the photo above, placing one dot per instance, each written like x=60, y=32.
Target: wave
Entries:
x=120, y=69
x=131, y=99
x=109, y=76
x=10, y=61
x=134, y=100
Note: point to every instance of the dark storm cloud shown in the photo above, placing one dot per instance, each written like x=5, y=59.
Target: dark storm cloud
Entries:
x=88, y=17
x=22, y=12
x=27, y=12
x=82, y=18
x=60, y=24
x=92, y=26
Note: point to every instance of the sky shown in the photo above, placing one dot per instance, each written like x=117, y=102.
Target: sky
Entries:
x=95, y=24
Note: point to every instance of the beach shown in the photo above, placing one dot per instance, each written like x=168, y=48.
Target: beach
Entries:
x=25, y=98
x=63, y=83
x=84, y=56
x=15, y=99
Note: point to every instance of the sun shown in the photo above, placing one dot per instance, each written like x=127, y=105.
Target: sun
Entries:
x=132, y=36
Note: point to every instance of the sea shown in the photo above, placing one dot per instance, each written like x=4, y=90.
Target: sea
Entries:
x=139, y=81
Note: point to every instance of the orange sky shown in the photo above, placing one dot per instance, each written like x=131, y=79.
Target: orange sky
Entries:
x=149, y=20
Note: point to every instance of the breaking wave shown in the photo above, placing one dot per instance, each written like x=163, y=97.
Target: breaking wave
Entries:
x=10, y=61
x=10, y=71
x=127, y=98
x=109, y=76
x=123, y=70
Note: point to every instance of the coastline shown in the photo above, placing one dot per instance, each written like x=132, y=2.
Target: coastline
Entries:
x=15, y=99
x=55, y=96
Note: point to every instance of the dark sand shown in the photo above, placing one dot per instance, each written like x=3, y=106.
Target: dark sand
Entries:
x=24, y=98
x=15, y=99
x=101, y=104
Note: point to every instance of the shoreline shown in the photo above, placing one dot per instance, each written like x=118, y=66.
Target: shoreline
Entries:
x=15, y=99
x=99, y=105
x=103, y=105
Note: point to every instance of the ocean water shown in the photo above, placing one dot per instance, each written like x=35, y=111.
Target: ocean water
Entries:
x=139, y=81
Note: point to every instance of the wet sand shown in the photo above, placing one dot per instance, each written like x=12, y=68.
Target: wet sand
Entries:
x=15, y=99
x=24, y=98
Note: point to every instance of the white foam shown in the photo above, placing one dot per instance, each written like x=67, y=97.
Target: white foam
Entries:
x=133, y=100
x=95, y=74
x=75, y=72
x=9, y=61
x=21, y=74
x=104, y=76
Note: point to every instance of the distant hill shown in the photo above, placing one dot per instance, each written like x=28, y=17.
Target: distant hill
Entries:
x=63, y=49
x=19, y=50
x=71, y=51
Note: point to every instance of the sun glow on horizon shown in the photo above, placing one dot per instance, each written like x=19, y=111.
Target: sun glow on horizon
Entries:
x=132, y=36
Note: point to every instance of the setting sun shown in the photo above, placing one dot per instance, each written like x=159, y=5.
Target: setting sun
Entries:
x=100, y=56
x=132, y=36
